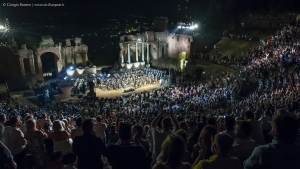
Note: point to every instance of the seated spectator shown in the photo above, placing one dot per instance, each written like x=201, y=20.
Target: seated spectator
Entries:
x=126, y=155
x=137, y=137
x=72, y=161
x=14, y=140
x=6, y=159
x=265, y=121
x=89, y=148
x=100, y=128
x=44, y=119
x=229, y=126
x=60, y=139
x=282, y=152
x=55, y=161
x=257, y=134
x=29, y=162
x=204, y=140
x=160, y=135
x=242, y=146
x=77, y=131
x=221, y=146
x=173, y=150
x=23, y=127
x=113, y=136
x=35, y=143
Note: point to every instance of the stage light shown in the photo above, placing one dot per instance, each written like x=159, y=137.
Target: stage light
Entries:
x=2, y=27
x=71, y=68
x=196, y=26
x=178, y=27
x=70, y=72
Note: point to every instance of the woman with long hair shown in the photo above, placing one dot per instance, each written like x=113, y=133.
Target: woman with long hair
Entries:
x=173, y=149
x=35, y=143
x=202, y=149
x=60, y=139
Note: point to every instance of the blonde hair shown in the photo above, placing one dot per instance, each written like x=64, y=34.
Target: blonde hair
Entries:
x=57, y=126
x=30, y=128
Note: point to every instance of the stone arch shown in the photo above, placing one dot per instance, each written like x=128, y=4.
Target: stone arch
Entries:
x=26, y=64
x=58, y=61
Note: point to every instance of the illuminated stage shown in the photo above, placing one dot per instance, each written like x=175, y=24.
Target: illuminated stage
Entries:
x=103, y=94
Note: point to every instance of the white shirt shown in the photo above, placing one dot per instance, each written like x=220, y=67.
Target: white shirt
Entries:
x=100, y=130
x=76, y=132
x=14, y=140
x=44, y=121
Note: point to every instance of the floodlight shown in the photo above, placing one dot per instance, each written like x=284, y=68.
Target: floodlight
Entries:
x=2, y=27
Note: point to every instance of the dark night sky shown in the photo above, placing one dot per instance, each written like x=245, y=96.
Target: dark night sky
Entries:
x=85, y=10
x=88, y=10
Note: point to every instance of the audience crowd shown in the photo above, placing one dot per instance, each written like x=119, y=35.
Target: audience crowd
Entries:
x=180, y=126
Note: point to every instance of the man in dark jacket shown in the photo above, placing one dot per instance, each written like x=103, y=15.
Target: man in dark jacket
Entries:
x=125, y=155
x=89, y=148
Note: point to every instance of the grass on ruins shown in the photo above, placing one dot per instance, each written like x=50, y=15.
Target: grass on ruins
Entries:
x=233, y=46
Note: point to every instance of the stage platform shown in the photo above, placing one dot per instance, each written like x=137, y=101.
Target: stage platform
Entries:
x=66, y=96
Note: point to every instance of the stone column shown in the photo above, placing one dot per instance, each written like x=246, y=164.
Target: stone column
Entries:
x=148, y=59
x=143, y=46
x=122, y=57
x=128, y=53
x=136, y=52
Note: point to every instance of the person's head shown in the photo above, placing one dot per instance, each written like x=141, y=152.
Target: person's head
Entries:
x=205, y=136
x=183, y=134
x=79, y=121
x=30, y=125
x=138, y=130
x=173, y=149
x=229, y=123
x=87, y=126
x=2, y=117
x=13, y=121
x=44, y=115
x=113, y=129
x=249, y=115
x=72, y=159
x=57, y=156
x=28, y=162
x=243, y=129
x=285, y=129
x=99, y=118
x=212, y=121
x=222, y=144
x=28, y=117
x=57, y=126
x=125, y=131
x=183, y=125
x=166, y=123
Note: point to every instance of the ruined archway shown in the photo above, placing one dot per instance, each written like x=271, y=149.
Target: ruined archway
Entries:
x=49, y=63
x=26, y=64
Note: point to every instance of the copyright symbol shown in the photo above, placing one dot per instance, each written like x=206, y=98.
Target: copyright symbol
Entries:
x=4, y=4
